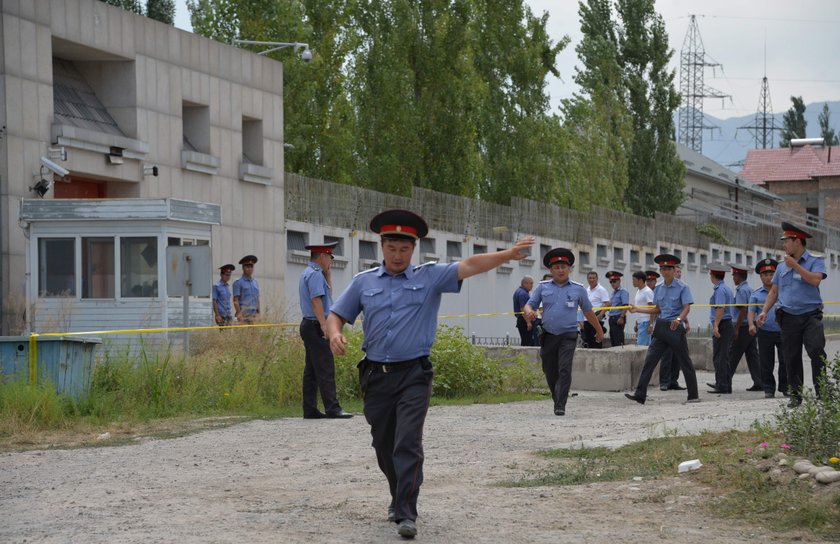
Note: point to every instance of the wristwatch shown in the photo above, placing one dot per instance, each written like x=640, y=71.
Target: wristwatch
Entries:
x=677, y=319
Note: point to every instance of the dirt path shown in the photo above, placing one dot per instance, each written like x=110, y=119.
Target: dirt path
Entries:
x=302, y=481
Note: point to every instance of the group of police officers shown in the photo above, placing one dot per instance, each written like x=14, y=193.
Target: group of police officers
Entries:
x=400, y=303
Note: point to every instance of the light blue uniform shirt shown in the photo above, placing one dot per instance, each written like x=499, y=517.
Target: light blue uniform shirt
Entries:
x=400, y=311
x=620, y=297
x=797, y=296
x=313, y=284
x=221, y=294
x=721, y=294
x=670, y=299
x=742, y=296
x=560, y=305
x=760, y=296
x=248, y=291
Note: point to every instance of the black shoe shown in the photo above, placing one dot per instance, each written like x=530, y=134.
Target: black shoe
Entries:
x=663, y=387
x=676, y=387
x=769, y=395
x=341, y=414
x=315, y=415
x=640, y=400
x=715, y=391
x=407, y=529
x=713, y=385
x=392, y=516
x=794, y=402
x=559, y=412
x=755, y=387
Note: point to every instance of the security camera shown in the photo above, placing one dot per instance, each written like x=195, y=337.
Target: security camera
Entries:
x=306, y=56
x=54, y=168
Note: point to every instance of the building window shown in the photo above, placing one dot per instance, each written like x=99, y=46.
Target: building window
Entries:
x=618, y=254
x=704, y=260
x=427, y=245
x=138, y=263
x=649, y=260
x=339, y=249
x=715, y=255
x=692, y=257
x=98, y=268
x=252, y=141
x=749, y=261
x=812, y=217
x=634, y=256
x=601, y=251
x=663, y=249
x=367, y=250
x=453, y=249
x=678, y=254
x=196, y=127
x=479, y=248
x=584, y=258
x=296, y=240
x=56, y=267
x=738, y=258
x=727, y=256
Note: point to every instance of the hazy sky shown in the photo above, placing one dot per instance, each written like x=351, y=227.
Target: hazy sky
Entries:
x=799, y=43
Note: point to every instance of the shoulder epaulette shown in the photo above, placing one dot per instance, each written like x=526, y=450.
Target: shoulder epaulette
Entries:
x=375, y=268
x=575, y=283
x=419, y=266
x=546, y=281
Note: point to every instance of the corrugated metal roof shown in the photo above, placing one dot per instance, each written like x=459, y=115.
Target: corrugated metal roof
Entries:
x=76, y=104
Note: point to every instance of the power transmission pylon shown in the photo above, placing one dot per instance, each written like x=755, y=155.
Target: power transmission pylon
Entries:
x=764, y=124
x=693, y=61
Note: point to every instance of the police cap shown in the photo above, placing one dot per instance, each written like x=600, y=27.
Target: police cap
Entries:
x=559, y=255
x=399, y=225
x=792, y=231
x=248, y=259
x=766, y=265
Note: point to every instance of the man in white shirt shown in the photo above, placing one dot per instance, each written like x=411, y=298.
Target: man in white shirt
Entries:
x=644, y=297
x=600, y=298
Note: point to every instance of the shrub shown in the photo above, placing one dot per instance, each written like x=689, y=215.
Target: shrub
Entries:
x=813, y=428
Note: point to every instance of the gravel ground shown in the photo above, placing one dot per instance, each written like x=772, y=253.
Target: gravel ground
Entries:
x=291, y=480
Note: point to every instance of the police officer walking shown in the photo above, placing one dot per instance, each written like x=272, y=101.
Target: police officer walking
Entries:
x=769, y=334
x=222, y=313
x=617, y=318
x=720, y=317
x=520, y=298
x=560, y=298
x=743, y=343
x=315, y=291
x=672, y=299
x=796, y=285
x=400, y=304
x=246, y=292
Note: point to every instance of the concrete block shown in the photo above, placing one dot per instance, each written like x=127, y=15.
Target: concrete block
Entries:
x=610, y=369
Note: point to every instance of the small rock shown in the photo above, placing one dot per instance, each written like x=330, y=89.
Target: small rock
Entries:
x=828, y=476
x=817, y=469
x=104, y=436
x=805, y=476
x=802, y=467
x=637, y=478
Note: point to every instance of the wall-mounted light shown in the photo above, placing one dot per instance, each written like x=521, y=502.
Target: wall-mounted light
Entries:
x=302, y=48
x=57, y=153
x=41, y=187
x=115, y=155
x=150, y=170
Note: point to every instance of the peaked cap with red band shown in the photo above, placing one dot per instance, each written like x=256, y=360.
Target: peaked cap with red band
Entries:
x=738, y=269
x=613, y=274
x=766, y=265
x=651, y=274
x=559, y=255
x=718, y=270
x=665, y=259
x=327, y=248
x=791, y=230
x=248, y=259
x=399, y=225
x=227, y=268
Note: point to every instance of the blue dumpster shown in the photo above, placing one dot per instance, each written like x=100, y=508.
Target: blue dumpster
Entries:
x=65, y=361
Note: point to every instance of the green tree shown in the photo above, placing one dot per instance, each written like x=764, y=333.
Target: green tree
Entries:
x=654, y=168
x=215, y=19
x=827, y=133
x=130, y=5
x=793, y=122
x=161, y=10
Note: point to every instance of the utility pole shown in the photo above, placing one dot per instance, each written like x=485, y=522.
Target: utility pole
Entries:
x=693, y=62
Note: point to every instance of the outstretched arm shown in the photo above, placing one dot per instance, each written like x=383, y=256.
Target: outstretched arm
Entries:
x=476, y=264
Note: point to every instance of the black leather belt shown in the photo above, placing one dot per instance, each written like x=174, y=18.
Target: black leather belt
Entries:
x=386, y=368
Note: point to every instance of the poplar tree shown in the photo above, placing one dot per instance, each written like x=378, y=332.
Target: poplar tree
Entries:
x=793, y=122
x=827, y=133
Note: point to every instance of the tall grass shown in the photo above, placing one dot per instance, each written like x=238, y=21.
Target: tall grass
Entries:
x=251, y=372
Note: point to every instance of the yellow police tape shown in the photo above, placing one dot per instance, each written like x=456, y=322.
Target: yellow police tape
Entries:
x=33, y=337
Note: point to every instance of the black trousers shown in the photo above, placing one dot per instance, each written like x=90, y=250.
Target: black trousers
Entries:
x=557, y=354
x=526, y=337
x=664, y=338
x=396, y=403
x=669, y=371
x=797, y=331
x=770, y=343
x=720, y=350
x=745, y=344
x=616, y=331
x=319, y=371
x=589, y=336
